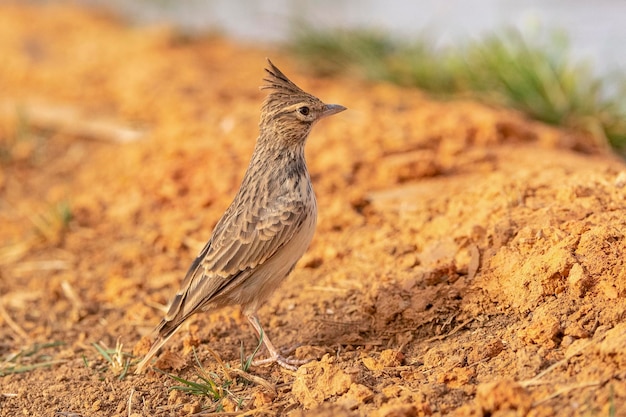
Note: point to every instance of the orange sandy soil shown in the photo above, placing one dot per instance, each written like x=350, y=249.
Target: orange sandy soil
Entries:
x=467, y=261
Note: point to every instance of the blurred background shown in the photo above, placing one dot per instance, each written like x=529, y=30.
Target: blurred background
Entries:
x=596, y=29
x=560, y=62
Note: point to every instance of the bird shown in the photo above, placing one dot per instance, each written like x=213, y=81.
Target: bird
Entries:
x=268, y=226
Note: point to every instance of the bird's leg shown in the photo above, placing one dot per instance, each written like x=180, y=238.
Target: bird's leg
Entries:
x=287, y=363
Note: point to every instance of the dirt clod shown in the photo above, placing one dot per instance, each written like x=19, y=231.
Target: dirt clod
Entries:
x=316, y=382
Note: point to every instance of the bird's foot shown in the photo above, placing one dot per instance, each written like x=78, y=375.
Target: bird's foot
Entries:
x=274, y=356
x=287, y=363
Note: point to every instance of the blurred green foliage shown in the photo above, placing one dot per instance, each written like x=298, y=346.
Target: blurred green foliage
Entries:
x=534, y=74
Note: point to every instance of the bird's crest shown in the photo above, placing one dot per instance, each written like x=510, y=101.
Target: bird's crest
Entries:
x=283, y=92
x=278, y=82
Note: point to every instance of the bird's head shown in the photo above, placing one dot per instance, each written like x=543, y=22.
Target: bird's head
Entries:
x=288, y=112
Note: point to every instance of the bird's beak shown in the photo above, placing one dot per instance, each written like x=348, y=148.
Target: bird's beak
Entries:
x=330, y=109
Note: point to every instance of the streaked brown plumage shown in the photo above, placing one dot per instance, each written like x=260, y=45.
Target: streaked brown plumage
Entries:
x=267, y=227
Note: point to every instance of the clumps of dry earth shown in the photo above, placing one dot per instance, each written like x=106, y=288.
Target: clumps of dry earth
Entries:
x=467, y=262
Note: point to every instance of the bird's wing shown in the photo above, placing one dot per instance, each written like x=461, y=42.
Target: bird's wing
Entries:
x=242, y=240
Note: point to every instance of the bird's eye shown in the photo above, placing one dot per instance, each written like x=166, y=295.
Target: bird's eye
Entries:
x=304, y=110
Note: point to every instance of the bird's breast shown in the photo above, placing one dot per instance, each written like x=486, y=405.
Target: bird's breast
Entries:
x=299, y=187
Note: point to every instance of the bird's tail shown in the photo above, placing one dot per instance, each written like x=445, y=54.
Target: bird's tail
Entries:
x=164, y=334
x=175, y=317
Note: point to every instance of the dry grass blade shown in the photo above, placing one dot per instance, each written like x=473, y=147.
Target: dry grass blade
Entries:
x=50, y=265
x=12, y=253
x=71, y=295
x=11, y=323
x=70, y=120
x=537, y=380
x=255, y=379
x=567, y=389
x=130, y=402
x=451, y=332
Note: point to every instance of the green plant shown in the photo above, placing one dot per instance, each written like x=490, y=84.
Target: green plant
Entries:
x=537, y=76
x=216, y=387
x=208, y=384
x=21, y=142
x=612, y=408
x=118, y=360
x=534, y=74
x=52, y=224
x=327, y=53
x=247, y=362
x=29, y=358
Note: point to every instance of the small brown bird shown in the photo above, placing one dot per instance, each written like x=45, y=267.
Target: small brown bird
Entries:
x=267, y=227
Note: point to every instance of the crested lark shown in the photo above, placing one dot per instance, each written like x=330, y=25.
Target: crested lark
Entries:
x=267, y=227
